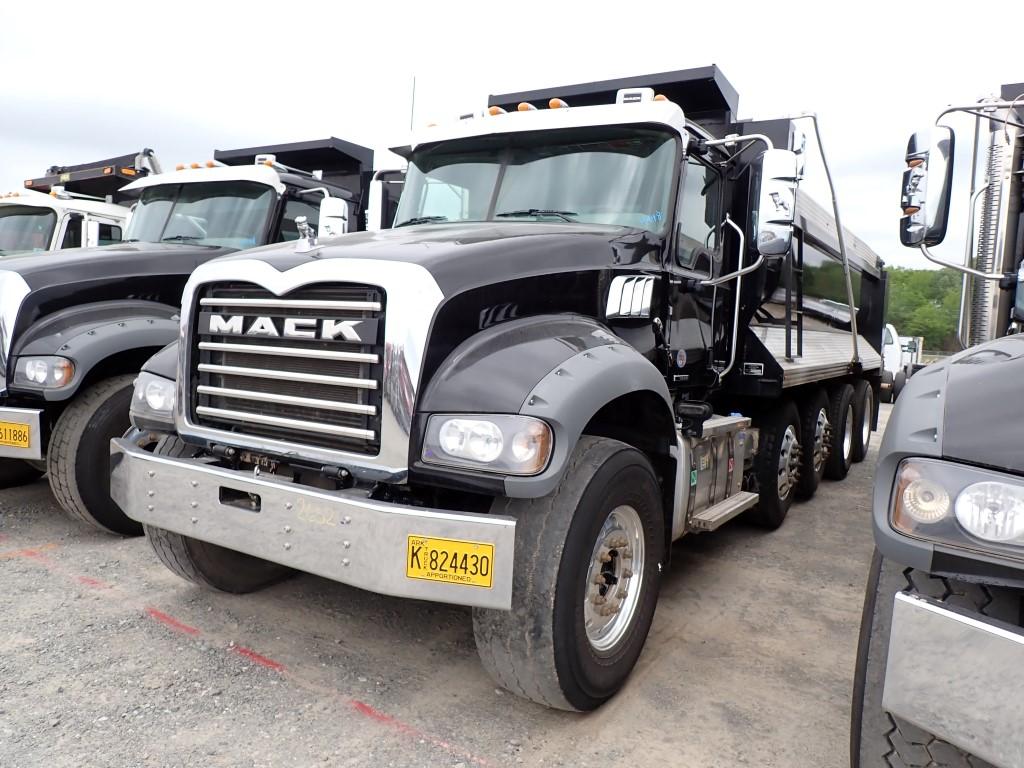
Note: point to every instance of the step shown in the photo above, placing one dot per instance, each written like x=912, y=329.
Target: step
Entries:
x=724, y=511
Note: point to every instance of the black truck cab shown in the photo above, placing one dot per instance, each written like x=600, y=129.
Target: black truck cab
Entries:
x=75, y=326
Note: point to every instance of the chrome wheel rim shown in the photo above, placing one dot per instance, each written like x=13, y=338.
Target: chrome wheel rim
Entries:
x=820, y=429
x=789, y=461
x=865, y=428
x=614, y=579
x=848, y=433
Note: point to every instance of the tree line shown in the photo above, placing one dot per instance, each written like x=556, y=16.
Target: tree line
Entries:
x=925, y=302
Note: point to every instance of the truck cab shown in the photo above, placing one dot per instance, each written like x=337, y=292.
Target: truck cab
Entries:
x=71, y=206
x=938, y=677
x=590, y=332
x=75, y=326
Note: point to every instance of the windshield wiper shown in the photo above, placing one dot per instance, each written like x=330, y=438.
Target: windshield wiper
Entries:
x=133, y=240
x=180, y=238
x=422, y=220
x=563, y=215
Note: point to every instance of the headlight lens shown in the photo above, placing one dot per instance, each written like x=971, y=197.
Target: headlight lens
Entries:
x=511, y=445
x=959, y=505
x=48, y=371
x=152, y=405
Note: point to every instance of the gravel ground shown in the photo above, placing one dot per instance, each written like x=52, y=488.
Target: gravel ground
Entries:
x=108, y=659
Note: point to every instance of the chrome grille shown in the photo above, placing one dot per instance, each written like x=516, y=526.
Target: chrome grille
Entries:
x=249, y=377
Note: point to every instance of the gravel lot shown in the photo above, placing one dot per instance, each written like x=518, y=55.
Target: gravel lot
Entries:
x=108, y=659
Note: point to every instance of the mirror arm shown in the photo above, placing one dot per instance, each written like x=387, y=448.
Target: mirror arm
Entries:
x=960, y=267
x=322, y=190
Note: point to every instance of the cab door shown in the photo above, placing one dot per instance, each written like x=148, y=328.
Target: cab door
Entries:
x=695, y=253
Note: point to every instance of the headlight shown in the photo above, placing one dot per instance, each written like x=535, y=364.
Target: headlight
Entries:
x=49, y=371
x=152, y=406
x=510, y=445
x=959, y=505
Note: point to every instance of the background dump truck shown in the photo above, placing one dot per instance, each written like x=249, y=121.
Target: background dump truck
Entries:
x=71, y=206
x=938, y=678
x=558, y=361
x=76, y=326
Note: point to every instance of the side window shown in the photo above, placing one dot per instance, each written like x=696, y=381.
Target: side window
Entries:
x=294, y=208
x=698, y=215
x=888, y=337
x=73, y=233
x=109, y=234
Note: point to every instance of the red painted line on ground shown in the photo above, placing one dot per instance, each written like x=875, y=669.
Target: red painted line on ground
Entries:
x=35, y=553
x=263, y=661
x=89, y=581
x=382, y=717
x=171, y=622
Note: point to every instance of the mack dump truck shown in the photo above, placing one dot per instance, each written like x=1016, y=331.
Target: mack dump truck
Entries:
x=76, y=326
x=591, y=331
x=940, y=666
x=71, y=206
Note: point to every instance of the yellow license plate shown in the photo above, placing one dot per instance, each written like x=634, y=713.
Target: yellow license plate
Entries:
x=14, y=435
x=450, y=560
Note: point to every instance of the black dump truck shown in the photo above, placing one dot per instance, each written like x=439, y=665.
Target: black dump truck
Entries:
x=939, y=678
x=604, y=319
x=76, y=325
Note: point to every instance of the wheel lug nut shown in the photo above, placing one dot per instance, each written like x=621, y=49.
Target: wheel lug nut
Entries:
x=604, y=555
x=627, y=573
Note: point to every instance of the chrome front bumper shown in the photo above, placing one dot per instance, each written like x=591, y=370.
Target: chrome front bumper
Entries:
x=29, y=418
x=958, y=676
x=340, y=535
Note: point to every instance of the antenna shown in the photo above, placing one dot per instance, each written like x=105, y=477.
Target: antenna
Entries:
x=412, y=107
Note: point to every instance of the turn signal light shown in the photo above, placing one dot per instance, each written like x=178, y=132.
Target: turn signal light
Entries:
x=494, y=111
x=911, y=210
x=128, y=171
x=557, y=104
x=108, y=170
x=525, y=106
x=915, y=162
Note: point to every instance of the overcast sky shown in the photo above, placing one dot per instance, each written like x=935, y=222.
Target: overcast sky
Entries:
x=86, y=80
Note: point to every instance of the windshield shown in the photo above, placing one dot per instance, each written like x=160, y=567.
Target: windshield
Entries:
x=227, y=214
x=605, y=175
x=25, y=228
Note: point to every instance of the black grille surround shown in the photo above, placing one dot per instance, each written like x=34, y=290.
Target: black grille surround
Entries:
x=251, y=377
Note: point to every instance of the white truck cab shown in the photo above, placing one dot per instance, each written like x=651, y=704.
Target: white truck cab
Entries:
x=72, y=206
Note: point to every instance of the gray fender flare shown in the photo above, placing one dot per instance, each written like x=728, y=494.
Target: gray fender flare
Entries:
x=89, y=335
x=570, y=395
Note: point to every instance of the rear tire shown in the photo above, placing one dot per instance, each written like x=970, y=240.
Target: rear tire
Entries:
x=878, y=738
x=15, y=472
x=78, y=459
x=841, y=415
x=863, y=416
x=898, y=383
x=209, y=565
x=555, y=647
x=777, y=465
x=814, y=432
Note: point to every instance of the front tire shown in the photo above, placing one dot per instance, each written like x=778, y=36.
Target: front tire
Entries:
x=777, y=465
x=78, y=458
x=587, y=571
x=878, y=738
x=15, y=472
x=208, y=565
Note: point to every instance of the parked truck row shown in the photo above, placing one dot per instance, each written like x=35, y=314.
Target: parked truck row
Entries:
x=597, y=324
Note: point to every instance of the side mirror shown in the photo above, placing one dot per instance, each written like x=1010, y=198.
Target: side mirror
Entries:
x=92, y=233
x=927, y=188
x=333, y=217
x=773, y=190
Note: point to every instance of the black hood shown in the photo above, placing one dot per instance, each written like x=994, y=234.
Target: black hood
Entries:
x=467, y=255
x=108, y=262
x=982, y=421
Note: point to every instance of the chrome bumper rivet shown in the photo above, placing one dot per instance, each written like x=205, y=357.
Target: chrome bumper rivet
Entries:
x=151, y=493
x=346, y=520
x=195, y=483
x=287, y=545
x=194, y=504
x=346, y=544
x=287, y=505
x=287, y=529
x=149, y=507
x=344, y=561
x=195, y=520
x=151, y=473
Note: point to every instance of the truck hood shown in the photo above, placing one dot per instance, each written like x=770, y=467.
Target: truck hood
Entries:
x=981, y=421
x=461, y=256
x=107, y=262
